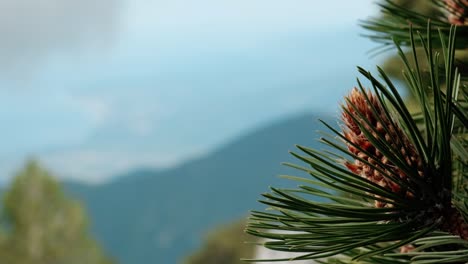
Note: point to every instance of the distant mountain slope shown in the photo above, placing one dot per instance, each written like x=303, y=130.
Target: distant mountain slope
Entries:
x=158, y=217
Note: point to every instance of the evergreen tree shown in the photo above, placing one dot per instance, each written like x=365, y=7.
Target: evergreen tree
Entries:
x=44, y=226
x=395, y=189
x=223, y=245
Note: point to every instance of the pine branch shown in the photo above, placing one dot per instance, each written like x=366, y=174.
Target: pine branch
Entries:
x=396, y=21
x=394, y=190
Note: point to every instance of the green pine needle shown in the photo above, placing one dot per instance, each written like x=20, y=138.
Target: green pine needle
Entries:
x=331, y=216
x=396, y=21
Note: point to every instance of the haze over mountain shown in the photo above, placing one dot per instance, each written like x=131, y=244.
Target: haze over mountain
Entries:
x=177, y=101
x=150, y=216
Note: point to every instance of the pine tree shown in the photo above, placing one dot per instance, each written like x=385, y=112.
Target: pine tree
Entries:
x=223, y=245
x=44, y=226
x=395, y=188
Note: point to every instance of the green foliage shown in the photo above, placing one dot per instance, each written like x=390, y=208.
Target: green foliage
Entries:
x=224, y=245
x=43, y=225
x=396, y=21
x=395, y=12
x=423, y=7
x=427, y=198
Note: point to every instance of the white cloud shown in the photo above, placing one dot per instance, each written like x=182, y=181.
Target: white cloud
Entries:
x=32, y=30
x=97, y=166
x=104, y=101
x=97, y=109
x=142, y=127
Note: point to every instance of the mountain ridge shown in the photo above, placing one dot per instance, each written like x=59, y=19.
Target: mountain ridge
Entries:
x=160, y=216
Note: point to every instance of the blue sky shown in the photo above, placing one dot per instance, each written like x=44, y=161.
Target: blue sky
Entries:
x=95, y=88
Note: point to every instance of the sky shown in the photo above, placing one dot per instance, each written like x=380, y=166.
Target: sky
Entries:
x=96, y=88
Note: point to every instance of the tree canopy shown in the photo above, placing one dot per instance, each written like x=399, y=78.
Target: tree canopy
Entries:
x=41, y=225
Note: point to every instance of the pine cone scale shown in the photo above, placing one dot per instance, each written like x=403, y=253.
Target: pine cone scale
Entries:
x=369, y=114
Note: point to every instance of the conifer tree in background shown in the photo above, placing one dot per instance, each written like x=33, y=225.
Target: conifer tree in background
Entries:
x=42, y=225
x=223, y=245
x=395, y=189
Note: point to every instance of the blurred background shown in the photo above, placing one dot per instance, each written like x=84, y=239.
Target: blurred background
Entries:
x=131, y=129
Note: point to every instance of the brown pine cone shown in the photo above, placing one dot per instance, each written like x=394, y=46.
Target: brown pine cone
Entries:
x=458, y=12
x=370, y=109
x=363, y=110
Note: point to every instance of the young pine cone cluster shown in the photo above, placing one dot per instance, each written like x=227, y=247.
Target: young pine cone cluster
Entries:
x=366, y=110
x=457, y=12
x=363, y=111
